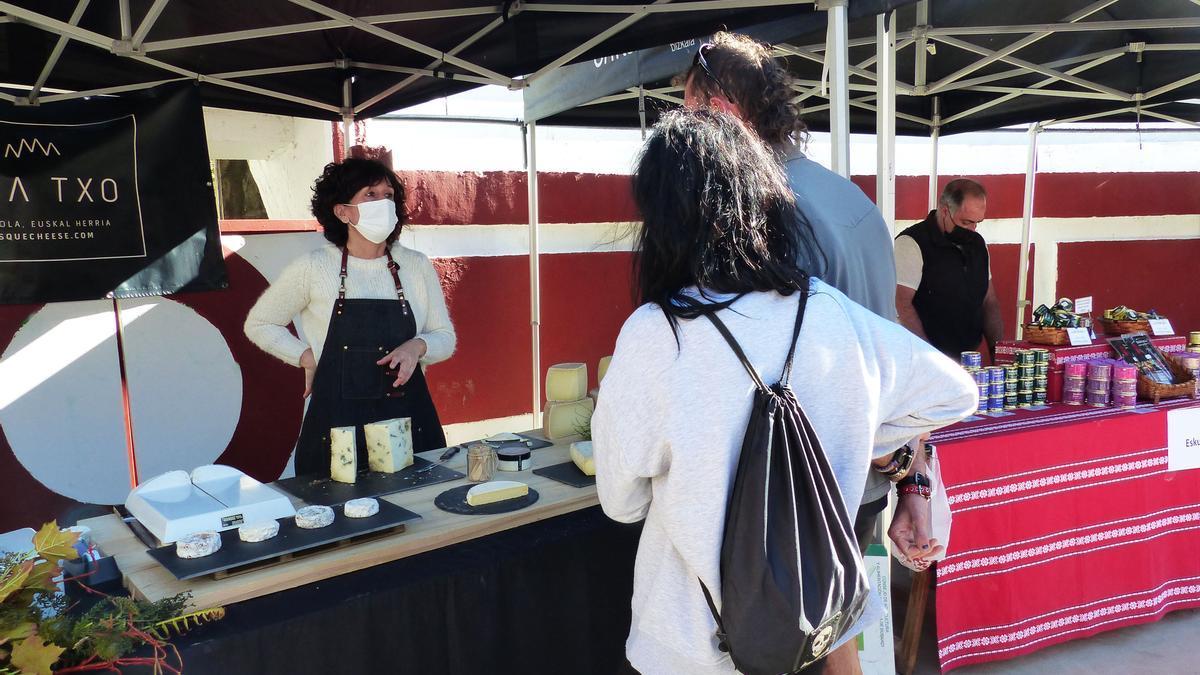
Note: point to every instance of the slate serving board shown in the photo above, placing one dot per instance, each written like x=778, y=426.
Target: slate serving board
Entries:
x=325, y=491
x=567, y=473
x=454, y=500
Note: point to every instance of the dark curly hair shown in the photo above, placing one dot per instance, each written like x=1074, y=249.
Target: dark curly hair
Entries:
x=339, y=183
x=758, y=83
x=717, y=213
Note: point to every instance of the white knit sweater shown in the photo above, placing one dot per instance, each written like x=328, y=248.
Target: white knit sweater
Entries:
x=308, y=287
x=669, y=424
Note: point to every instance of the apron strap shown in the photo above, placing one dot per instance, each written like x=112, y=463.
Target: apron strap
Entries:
x=392, y=267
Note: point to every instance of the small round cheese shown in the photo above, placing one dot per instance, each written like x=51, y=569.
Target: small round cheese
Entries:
x=361, y=508
x=254, y=532
x=313, y=517
x=198, y=545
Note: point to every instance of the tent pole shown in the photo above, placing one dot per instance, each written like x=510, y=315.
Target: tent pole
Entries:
x=535, y=275
x=934, y=132
x=885, y=118
x=838, y=56
x=1026, y=226
x=347, y=116
x=642, y=109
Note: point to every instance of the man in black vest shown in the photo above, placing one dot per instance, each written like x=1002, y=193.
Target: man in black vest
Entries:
x=944, y=287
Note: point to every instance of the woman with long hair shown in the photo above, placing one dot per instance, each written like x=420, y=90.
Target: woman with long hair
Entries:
x=372, y=315
x=675, y=401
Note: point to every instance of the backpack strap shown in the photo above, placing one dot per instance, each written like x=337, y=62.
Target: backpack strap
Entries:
x=722, y=636
x=733, y=343
x=800, y=306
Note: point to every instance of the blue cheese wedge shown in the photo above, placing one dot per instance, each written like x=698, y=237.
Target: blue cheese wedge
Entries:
x=343, y=460
x=314, y=517
x=198, y=545
x=389, y=444
x=256, y=532
x=581, y=454
x=496, y=491
x=364, y=507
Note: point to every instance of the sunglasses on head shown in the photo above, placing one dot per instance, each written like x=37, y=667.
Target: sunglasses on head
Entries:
x=699, y=60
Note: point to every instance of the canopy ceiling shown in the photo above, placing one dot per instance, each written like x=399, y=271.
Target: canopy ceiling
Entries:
x=987, y=64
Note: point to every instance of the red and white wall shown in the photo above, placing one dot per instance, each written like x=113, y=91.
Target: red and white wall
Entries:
x=199, y=392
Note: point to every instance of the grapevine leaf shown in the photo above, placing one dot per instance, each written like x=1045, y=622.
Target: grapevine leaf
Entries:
x=34, y=656
x=15, y=579
x=54, y=544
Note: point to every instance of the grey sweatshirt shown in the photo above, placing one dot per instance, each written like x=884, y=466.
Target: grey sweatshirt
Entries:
x=669, y=425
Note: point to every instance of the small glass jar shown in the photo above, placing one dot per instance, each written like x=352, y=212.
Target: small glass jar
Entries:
x=481, y=463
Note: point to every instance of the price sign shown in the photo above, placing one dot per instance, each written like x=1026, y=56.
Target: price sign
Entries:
x=1183, y=439
x=1161, y=327
x=1079, y=337
x=1083, y=305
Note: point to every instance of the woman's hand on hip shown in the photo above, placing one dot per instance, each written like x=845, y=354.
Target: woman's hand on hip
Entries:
x=309, y=363
x=404, y=359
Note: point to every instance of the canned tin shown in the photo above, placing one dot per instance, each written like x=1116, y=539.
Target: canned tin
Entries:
x=1026, y=371
x=1024, y=399
x=996, y=389
x=995, y=374
x=1073, y=397
x=1010, y=401
x=1097, y=399
x=1010, y=386
x=1039, y=397
x=981, y=376
x=996, y=403
x=1039, y=383
x=1099, y=370
x=1120, y=387
x=1072, y=383
x=1011, y=373
x=1075, y=369
x=1025, y=384
x=1041, y=356
x=971, y=359
x=1124, y=372
x=1041, y=369
x=1025, y=357
x=1125, y=401
x=1194, y=339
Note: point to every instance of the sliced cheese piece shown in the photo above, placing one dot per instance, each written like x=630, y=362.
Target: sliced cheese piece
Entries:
x=255, y=532
x=198, y=545
x=581, y=454
x=504, y=437
x=602, y=369
x=389, y=444
x=363, y=507
x=566, y=382
x=496, y=491
x=313, y=517
x=343, y=460
x=563, y=419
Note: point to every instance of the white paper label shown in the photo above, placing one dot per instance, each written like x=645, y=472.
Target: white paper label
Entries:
x=1161, y=327
x=1183, y=439
x=1083, y=305
x=1079, y=337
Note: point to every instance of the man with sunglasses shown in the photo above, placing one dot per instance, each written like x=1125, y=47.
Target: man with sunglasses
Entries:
x=738, y=75
x=944, y=287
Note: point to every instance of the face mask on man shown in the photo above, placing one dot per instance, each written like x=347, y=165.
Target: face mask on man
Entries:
x=376, y=220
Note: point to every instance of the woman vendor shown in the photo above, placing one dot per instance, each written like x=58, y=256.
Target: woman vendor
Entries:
x=372, y=311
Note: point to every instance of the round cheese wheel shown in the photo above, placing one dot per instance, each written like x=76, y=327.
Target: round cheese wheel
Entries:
x=254, y=532
x=361, y=508
x=313, y=517
x=198, y=545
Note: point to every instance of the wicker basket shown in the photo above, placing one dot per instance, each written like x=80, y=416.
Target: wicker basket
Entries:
x=1110, y=327
x=1042, y=335
x=1153, y=391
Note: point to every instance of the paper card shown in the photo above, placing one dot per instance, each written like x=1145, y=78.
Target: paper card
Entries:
x=1002, y=413
x=1038, y=407
x=1083, y=305
x=972, y=418
x=1161, y=327
x=876, y=653
x=1079, y=337
x=1183, y=439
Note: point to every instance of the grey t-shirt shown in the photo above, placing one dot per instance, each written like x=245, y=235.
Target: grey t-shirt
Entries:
x=859, y=259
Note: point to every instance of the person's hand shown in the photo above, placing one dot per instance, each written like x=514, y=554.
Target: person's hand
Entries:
x=309, y=363
x=404, y=359
x=910, y=530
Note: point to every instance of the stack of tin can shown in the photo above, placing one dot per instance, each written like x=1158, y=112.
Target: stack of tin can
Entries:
x=1041, y=374
x=1011, y=385
x=1191, y=362
x=1032, y=369
x=1099, y=383
x=1074, y=383
x=972, y=362
x=996, y=390
x=1124, y=385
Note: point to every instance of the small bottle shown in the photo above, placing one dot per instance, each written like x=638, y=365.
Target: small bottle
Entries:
x=481, y=463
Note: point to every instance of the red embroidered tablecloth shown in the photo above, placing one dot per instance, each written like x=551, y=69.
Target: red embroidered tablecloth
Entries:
x=1066, y=524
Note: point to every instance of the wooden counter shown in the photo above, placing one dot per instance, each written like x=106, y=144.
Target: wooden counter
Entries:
x=145, y=578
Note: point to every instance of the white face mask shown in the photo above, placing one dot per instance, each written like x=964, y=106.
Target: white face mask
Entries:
x=376, y=220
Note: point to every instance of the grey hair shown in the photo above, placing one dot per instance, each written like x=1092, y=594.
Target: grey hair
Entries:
x=959, y=189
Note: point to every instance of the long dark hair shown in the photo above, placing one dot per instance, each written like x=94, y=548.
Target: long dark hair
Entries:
x=338, y=184
x=717, y=214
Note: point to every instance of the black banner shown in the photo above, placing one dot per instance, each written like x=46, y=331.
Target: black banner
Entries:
x=108, y=197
